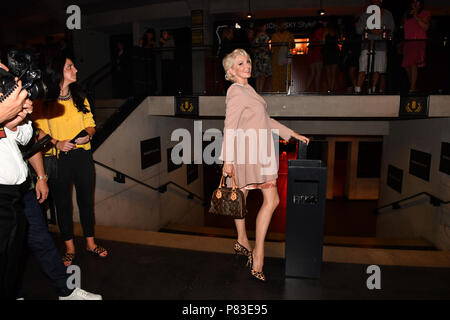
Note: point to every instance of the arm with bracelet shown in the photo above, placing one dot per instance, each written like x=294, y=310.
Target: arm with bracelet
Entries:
x=41, y=187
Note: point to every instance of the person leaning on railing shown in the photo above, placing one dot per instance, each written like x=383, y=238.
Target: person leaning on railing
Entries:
x=14, y=129
x=63, y=120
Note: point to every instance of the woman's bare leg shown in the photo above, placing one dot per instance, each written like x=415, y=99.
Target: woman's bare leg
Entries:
x=270, y=203
x=413, y=81
x=240, y=227
x=311, y=77
x=318, y=76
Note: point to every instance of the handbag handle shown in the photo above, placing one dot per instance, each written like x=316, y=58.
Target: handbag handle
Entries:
x=233, y=188
x=234, y=184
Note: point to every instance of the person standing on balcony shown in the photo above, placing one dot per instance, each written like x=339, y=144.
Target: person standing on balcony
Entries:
x=416, y=24
x=380, y=46
x=262, y=63
x=63, y=120
x=315, y=57
x=168, y=62
x=282, y=43
x=331, y=54
x=246, y=110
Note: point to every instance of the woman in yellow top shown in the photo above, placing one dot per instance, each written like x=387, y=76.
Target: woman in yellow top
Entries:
x=63, y=120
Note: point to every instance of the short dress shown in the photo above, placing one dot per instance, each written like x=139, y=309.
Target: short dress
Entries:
x=248, y=141
x=414, y=49
x=262, y=61
x=315, y=47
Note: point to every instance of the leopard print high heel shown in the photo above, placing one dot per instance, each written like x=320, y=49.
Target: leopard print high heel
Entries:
x=239, y=249
x=256, y=274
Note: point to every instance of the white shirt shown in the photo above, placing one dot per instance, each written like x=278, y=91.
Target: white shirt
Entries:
x=13, y=170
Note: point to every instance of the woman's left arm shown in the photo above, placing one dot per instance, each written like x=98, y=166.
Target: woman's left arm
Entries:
x=89, y=125
x=86, y=139
x=286, y=133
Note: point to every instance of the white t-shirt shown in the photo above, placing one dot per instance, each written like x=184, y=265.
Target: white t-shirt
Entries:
x=13, y=169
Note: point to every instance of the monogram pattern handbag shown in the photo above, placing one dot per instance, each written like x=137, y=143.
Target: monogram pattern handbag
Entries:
x=228, y=201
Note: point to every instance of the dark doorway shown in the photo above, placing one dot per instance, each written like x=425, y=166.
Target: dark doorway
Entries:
x=340, y=169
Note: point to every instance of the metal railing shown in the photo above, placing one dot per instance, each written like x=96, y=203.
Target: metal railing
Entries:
x=434, y=201
x=120, y=178
x=150, y=74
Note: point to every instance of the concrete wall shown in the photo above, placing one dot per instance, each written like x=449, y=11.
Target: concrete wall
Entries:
x=131, y=205
x=417, y=218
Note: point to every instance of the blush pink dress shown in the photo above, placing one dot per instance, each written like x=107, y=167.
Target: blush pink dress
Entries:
x=414, y=49
x=254, y=158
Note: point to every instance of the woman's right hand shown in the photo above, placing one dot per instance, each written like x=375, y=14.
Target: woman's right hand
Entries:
x=227, y=169
x=65, y=145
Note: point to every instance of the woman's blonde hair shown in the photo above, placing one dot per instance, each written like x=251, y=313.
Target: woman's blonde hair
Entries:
x=228, y=61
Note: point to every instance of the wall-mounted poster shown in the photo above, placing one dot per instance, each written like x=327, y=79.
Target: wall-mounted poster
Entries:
x=150, y=152
x=420, y=164
x=395, y=178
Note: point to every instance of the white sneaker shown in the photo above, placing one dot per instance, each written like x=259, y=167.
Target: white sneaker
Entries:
x=80, y=294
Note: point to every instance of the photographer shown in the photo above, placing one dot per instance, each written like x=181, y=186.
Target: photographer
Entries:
x=13, y=172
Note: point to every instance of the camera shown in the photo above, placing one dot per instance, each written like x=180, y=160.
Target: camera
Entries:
x=22, y=66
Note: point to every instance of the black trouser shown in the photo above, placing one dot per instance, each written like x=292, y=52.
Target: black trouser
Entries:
x=12, y=236
x=43, y=247
x=75, y=167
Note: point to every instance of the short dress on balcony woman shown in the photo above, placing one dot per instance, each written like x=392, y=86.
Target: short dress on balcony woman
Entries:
x=254, y=158
x=414, y=48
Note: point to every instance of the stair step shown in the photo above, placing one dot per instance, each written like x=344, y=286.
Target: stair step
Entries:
x=360, y=242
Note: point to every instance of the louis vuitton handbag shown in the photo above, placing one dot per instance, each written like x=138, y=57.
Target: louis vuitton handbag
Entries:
x=228, y=201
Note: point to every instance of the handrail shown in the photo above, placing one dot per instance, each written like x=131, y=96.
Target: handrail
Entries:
x=120, y=177
x=435, y=201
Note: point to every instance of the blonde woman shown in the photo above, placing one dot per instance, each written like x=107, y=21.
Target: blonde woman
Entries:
x=247, y=110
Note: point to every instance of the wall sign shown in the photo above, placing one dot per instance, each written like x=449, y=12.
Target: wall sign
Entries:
x=444, y=165
x=420, y=164
x=395, y=178
x=150, y=152
x=413, y=107
x=186, y=106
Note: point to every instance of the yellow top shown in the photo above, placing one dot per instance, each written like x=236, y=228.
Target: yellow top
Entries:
x=62, y=120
